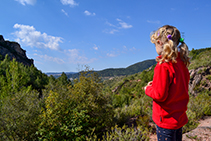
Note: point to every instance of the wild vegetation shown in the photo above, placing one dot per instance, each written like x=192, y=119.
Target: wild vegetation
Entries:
x=34, y=106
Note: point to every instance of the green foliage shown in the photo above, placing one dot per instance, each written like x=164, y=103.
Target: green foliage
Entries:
x=63, y=79
x=1, y=58
x=61, y=121
x=198, y=107
x=208, y=77
x=19, y=103
x=200, y=57
x=194, y=53
x=14, y=76
x=88, y=90
x=142, y=106
x=74, y=112
x=19, y=116
x=123, y=134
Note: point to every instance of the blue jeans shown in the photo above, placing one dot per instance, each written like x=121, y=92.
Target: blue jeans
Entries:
x=169, y=134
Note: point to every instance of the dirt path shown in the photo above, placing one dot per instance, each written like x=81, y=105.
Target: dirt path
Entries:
x=201, y=133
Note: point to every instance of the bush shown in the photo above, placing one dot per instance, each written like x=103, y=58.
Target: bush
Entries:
x=19, y=116
x=60, y=121
x=198, y=107
x=124, y=133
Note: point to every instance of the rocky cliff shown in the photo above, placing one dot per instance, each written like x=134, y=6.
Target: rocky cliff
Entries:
x=14, y=51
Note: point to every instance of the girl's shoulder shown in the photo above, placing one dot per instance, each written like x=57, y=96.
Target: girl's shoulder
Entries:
x=166, y=67
x=164, y=64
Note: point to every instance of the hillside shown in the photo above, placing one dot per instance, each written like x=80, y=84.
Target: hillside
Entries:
x=135, y=68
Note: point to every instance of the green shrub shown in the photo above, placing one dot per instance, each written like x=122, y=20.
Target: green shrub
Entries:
x=123, y=134
x=198, y=107
x=200, y=57
x=60, y=121
x=208, y=77
x=19, y=116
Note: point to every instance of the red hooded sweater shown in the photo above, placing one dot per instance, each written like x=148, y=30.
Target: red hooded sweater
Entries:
x=169, y=91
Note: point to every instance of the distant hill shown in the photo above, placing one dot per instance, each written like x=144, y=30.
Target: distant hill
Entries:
x=135, y=68
x=111, y=72
x=57, y=74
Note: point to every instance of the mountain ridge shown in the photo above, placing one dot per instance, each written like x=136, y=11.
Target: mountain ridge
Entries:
x=112, y=72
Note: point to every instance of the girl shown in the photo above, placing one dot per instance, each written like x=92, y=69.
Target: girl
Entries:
x=169, y=88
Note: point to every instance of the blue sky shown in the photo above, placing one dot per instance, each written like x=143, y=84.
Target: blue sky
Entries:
x=65, y=35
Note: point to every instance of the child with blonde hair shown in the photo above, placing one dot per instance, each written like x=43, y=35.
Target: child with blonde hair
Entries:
x=169, y=88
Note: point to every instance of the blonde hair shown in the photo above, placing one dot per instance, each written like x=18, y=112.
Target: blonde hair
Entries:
x=170, y=49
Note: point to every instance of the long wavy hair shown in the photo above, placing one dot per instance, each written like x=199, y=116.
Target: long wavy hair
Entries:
x=170, y=46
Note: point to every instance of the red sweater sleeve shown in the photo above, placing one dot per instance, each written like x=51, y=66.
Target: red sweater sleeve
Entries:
x=158, y=91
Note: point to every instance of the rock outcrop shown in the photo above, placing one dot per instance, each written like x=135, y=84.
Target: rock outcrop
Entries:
x=200, y=79
x=119, y=87
x=14, y=51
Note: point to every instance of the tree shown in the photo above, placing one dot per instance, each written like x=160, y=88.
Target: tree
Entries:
x=63, y=79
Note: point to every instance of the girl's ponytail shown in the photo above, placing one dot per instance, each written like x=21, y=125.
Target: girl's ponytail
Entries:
x=184, y=53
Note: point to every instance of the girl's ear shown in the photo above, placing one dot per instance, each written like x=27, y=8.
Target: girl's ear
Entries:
x=159, y=42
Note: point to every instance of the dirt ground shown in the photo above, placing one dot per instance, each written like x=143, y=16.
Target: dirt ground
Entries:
x=201, y=133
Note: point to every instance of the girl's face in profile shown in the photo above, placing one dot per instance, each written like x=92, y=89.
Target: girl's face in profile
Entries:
x=159, y=47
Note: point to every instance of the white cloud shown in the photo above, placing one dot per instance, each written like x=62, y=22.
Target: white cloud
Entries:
x=124, y=24
x=69, y=2
x=124, y=50
x=95, y=47
x=133, y=49
x=24, y=2
x=64, y=12
x=111, y=54
x=75, y=57
x=129, y=50
x=49, y=58
x=121, y=25
x=110, y=24
x=30, y=37
x=89, y=13
x=111, y=31
x=153, y=22
x=73, y=53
